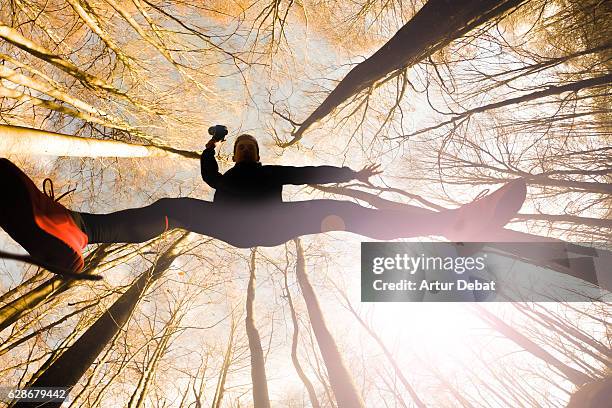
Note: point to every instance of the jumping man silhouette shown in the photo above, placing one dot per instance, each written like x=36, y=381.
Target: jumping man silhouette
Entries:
x=247, y=210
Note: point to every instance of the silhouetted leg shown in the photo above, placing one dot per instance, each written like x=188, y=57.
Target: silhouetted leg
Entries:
x=288, y=220
x=469, y=222
x=238, y=226
x=270, y=225
x=142, y=224
x=251, y=225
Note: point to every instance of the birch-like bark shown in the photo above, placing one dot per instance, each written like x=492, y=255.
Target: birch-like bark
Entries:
x=87, y=112
x=227, y=362
x=312, y=395
x=340, y=378
x=261, y=398
x=24, y=140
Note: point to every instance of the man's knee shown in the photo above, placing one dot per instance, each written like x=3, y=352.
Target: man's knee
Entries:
x=333, y=222
x=335, y=214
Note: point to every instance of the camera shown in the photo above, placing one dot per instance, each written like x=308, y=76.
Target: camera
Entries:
x=218, y=132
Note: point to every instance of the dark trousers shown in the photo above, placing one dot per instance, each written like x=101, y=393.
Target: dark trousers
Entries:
x=248, y=225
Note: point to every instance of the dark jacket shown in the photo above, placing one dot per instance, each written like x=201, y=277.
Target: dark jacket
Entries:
x=255, y=183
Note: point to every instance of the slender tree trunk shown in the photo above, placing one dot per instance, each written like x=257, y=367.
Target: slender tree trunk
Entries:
x=72, y=364
x=18, y=308
x=227, y=362
x=565, y=326
x=575, y=376
x=75, y=400
x=593, y=395
x=92, y=114
x=258, y=368
x=457, y=394
x=570, y=334
x=52, y=357
x=24, y=140
x=390, y=358
x=6, y=296
x=150, y=368
x=573, y=219
x=6, y=347
x=589, y=186
x=340, y=378
x=116, y=376
x=198, y=393
x=312, y=395
x=435, y=25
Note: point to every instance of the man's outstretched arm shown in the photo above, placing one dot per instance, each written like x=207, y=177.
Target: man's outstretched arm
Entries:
x=320, y=174
x=209, y=166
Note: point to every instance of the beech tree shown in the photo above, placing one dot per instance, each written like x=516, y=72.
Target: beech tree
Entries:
x=435, y=25
x=258, y=369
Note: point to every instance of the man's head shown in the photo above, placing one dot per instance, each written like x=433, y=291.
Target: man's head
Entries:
x=246, y=149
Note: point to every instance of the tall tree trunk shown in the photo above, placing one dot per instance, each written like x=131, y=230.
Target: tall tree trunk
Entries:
x=24, y=140
x=12, y=36
x=565, y=218
x=258, y=368
x=150, y=367
x=593, y=395
x=72, y=364
x=575, y=376
x=227, y=362
x=312, y=395
x=589, y=186
x=340, y=378
x=19, y=307
x=435, y=25
x=92, y=375
x=390, y=358
x=6, y=346
x=21, y=288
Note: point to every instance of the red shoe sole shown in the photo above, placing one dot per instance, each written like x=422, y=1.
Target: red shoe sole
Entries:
x=22, y=217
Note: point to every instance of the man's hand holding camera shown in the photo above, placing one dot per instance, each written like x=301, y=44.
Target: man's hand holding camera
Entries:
x=218, y=133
